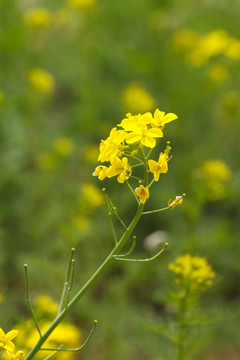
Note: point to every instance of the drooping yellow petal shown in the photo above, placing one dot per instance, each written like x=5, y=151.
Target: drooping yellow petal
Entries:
x=155, y=132
x=132, y=137
x=148, y=141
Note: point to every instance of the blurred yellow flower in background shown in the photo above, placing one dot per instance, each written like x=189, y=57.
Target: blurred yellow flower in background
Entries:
x=137, y=99
x=38, y=17
x=233, y=48
x=92, y=195
x=185, y=39
x=83, y=4
x=81, y=222
x=45, y=161
x=41, y=81
x=65, y=334
x=92, y=153
x=46, y=305
x=64, y=146
x=216, y=174
x=2, y=96
x=192, y=272
x=218, y=73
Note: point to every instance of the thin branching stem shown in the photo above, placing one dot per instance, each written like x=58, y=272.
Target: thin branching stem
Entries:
x=71, y=282
x=143, y=260
x=115, y=212
x=156, y=211
x=130, y=251
x=29, y=300
x=66, y=282
x=133, y=192
x=79, y=348
x=110, y=217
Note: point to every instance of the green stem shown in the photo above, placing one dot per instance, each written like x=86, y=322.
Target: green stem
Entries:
x=88, y=284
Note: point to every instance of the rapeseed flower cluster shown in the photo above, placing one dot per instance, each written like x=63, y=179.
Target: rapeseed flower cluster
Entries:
x=128, y=141
x=7, y=347
x=192, y=272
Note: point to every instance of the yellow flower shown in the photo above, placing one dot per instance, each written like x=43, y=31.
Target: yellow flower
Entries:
x=193, y=271
x=112, y=145
x=39, y=17
x=63, y=146
x=139, y=130
x=119, y=167
x=5, y=340
x=41, y=81
x=83, y=4
x=158, y=167
x=143, y=193
x=101, y=172
x=137, y=99
x=160, y=119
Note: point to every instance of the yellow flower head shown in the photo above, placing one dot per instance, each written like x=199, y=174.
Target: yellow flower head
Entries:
x=137, y=99
x=160, y=118
x=138, y=130
x=41, y=81
x=158, y=167
x=5, y=340
x=119, y=167
x=37, y=18
x=192, y=271
x=142, y=193
x=100, y=172
x=113, y=145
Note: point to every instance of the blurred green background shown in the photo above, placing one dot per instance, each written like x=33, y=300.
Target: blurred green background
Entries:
x=69, y=72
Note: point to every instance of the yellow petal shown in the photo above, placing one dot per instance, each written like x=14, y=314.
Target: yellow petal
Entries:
x=155, y=132
x=11, y=334
x=132, y=138
x=168, y=118
x=148, y=141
